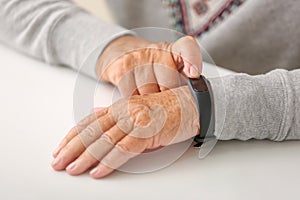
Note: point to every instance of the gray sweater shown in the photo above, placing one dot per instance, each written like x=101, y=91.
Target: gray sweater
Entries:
x=260, y=36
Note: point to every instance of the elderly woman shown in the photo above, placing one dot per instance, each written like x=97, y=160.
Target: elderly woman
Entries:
x=250, y=36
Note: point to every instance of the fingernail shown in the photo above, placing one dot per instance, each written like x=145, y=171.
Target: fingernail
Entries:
x=94, y=171
x=56, y=161
x=71, y=166
x=194, y=71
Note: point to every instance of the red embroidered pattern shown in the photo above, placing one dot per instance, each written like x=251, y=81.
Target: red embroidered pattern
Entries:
x=200, y=7
x=179, y=13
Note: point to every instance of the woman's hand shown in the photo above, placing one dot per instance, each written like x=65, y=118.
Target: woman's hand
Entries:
x=137, y=66
x=110, y=137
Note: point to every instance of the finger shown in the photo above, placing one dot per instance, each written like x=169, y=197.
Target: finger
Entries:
x=187, y=49
x=148, y=88
x=167, y=75
x=96, y=151
x=78, y=128
x=82, y=164
x=72, y=133
x=127, y=85
x=126, y=149
x=79, y=143
x=105, y=143
x=101, y=171
x=68, y=154
x=145, y=79
x=94, y=131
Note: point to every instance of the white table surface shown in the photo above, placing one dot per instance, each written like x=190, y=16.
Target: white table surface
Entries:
x=37, y=110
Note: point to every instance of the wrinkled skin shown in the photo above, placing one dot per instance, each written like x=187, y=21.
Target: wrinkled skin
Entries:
x=111, y=136
x=152, y=114
x=137, y=66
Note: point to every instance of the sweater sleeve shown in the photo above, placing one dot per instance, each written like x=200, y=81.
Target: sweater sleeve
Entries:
x=55, y=31
x=259, y=107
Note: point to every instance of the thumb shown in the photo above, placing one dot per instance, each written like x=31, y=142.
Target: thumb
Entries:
x=187, y=50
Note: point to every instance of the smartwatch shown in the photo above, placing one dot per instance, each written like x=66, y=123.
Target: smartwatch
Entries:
x=202, y=93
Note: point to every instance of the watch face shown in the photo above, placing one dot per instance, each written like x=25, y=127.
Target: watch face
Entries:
x=199, y=84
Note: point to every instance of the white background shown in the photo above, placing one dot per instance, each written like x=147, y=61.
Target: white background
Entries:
x=36, y=105
x=37, y=111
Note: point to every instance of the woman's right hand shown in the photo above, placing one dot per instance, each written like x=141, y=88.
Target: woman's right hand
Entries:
x=110, y=137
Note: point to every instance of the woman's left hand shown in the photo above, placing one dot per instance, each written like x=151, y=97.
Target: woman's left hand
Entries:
x=110, y=137
x=138, y=66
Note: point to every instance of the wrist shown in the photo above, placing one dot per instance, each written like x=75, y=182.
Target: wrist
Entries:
x=201, y=91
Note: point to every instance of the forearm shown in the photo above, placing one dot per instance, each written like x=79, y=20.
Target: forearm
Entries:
x=58, y=32
x=259, y=107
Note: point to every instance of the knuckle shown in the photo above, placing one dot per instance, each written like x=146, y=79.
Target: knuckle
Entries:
x=89, y=132
x=109, y=139
x=85, y=121
x=124, y=147
x=132, y=145
x=127, y=146
x=140, y=115
x=129, y=59
x=101, y=112
x=87, y=157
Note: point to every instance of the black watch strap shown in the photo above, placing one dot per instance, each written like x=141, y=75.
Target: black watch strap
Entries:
x=201, y=92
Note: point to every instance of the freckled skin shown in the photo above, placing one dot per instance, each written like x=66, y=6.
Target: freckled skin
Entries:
x=124, y=56
x=153, y=114
x=180, y=122
x=172, y=108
